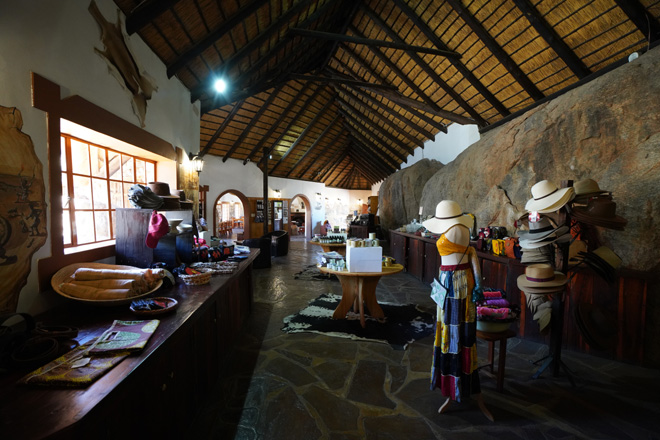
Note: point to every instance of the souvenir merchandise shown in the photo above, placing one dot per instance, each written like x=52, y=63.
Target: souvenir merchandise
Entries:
x=585, y=189
x=603, y=261
x=540, y=230
x=447, y=214
x=141, y=196
x=541, y=279
x=600, y=211
x=563, y=238
x=543, y=254
x=547, y=197
x=158, y=227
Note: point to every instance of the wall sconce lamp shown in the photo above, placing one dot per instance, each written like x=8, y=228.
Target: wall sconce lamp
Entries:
x=197, y=162
x=278, y=193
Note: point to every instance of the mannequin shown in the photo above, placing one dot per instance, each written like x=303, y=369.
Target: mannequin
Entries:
x=454, y=354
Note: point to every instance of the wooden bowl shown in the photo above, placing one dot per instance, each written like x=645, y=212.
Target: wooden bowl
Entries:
x=64, y=276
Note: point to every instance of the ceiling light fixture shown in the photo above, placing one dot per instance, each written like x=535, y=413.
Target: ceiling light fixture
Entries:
x=220, y=85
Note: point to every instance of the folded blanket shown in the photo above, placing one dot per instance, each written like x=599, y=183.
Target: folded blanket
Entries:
x=502, y=313
x=492, y=294
x=496, y=303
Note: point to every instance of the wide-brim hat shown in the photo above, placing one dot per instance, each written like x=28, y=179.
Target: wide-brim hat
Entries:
x=537, y=230
x=603, y=261
x=600, y=211
x=597, y=325
x=541, y=278
x=586, y=188
x=543, y=254
x=159, y=188
x=447, y=214
x=547, y=197
x=561, y=237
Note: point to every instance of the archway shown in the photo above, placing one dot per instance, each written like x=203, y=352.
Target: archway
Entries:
x=307, y=211
x=246, y=210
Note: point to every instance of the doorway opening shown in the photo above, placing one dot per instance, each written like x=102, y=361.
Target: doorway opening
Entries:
x=301, y=218
x=230, y=210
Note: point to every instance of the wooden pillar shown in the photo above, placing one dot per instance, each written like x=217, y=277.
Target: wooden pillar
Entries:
x=264, y=162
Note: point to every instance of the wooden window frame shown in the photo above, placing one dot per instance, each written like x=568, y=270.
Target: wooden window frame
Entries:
x=46, y=96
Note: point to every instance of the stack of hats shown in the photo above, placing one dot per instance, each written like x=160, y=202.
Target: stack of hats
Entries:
x=185, y=203
x=603, y=261
x=162, y=190
x=547, y=197
x=541, y=279
x=143, y=197
x=594, y=206
x=536, y=242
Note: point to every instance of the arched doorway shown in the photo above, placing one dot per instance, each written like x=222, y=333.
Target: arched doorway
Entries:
x=301, y=214
x=231, y=206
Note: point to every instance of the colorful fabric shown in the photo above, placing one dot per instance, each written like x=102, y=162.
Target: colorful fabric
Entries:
x=497, y=303
x=446, y=247
x=501, y=313
x=454, y=368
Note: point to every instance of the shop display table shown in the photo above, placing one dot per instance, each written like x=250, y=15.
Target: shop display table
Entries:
x=491, y=338
x=340, y=248
x=359, y=288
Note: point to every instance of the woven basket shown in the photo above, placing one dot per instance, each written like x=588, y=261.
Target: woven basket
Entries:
x=196, y=279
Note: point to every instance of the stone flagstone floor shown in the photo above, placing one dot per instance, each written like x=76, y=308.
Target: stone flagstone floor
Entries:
x=307, y=386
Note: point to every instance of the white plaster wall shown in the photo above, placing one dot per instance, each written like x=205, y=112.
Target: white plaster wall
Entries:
x=56, y=39
x=248, y=179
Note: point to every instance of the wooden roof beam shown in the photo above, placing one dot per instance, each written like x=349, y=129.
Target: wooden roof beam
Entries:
x=552, y=38
x=645, y=22
x=388, y=123
x=364, y=162
x=376, y=133
x=335, y=45
x=377, y=168
x=364, y=168
x=332, y=168
x=311, y=162
x=353, y=83
x=496, y=50
x=295, y=143
x=244, y=51
x=365, y=65
x=458, y=64
x=220, y=129
x=314, y=144
x=366, y=141
x=279, y=120
x=458, y=99
x=373, y=43
x=342, y=183
x=375, y=154
x=210, y=39
x=146, y=12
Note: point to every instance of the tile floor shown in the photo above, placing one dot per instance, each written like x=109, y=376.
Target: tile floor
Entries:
x=306, y=386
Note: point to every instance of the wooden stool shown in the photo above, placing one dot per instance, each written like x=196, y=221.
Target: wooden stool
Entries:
x=501, y=361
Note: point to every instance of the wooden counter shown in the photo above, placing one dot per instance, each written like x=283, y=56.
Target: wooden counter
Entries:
x=154, y=393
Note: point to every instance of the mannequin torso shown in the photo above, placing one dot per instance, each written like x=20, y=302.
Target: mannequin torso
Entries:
x=459, y=235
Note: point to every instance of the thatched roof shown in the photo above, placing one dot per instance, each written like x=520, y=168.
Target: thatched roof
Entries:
x=341, y=91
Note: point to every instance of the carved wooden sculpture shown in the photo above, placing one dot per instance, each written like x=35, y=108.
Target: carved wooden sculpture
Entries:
x=22, y=207
x=122, y=64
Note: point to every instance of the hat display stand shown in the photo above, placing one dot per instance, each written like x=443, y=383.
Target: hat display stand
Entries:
x=553, y=359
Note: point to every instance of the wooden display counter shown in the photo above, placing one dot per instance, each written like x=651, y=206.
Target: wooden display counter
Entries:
x=153, y=394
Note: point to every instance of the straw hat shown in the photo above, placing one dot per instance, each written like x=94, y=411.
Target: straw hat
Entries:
x=603, y=261
x=447, y=214
x=547, y=197
x=587, y=188
x=541, y=279
x=600, y=211
x=533, y=244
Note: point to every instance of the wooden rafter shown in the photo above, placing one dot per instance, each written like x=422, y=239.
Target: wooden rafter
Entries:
x=458, y=99
x=314, y=145
x=365, y=169
x=376, y=152
x=256, y=42
x=213, y=37
x=331, y=168
x=552, y=38
x=645, y=22
x=496, y=50
x=220, y=129
x=381, y=168
x=377, y=173
x=279, y=120
x=146, y=12
x=253, y=120
x=373, y=43
x=302, y=135
x=458, y=64
x=311, y=162
x=330, y=79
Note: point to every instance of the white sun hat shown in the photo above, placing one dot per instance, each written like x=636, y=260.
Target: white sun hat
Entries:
x=447, y=214
x=547, y=197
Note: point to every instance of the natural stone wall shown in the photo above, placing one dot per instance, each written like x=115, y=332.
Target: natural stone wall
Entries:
x=399, y=197
x=607, y=130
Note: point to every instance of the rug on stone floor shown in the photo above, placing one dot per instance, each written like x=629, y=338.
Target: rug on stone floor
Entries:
x=403, y=324
x=312, y=273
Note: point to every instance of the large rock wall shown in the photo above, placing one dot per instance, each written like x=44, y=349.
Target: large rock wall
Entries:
x=607, y=130
x=399, y=197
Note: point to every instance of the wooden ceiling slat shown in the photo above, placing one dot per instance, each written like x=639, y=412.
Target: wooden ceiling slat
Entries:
x=366, y=164
x=353, y=83
x=228, y=119
x=281, y=117
x=146, y=12
x=644, y=21
x=254, y=119
x=554, y=40
x=379, y=167
x=377, y=154
x=373, y=43
x=425, y=67
x=379, y=147
x=364, y=168
x=319, y=115
x=314, y=145
x=496, y=50
x=458, y=64
x=331, y=168
x=309, y=165
x=255, y=43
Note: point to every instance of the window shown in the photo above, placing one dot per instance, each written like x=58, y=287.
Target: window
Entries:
x=95, y=181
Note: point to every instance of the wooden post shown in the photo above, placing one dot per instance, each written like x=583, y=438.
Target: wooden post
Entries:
x=264, y=162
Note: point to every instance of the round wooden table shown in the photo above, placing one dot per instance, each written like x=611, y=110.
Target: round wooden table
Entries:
x=359, y=289
x=340, y=248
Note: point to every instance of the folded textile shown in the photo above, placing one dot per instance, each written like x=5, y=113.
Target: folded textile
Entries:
x=501, y=313
x=492, y=294
x=88, y=292
x=137, y=286
x=496, y=303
